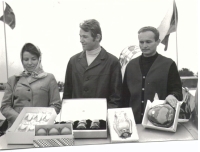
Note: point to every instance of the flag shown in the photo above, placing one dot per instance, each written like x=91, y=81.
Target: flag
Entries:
x=9, y=16
x=168, y=24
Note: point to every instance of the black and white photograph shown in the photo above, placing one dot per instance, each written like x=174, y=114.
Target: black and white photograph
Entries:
x=99, y=74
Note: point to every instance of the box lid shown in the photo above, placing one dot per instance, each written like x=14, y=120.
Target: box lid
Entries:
x=80, y=109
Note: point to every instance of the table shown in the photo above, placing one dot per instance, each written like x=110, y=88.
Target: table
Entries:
x=185, y=131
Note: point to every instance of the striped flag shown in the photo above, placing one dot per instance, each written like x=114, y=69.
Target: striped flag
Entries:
x=9, y=16
x=168, y=24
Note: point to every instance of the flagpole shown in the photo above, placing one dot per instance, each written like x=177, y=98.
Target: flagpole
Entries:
x=5, y=41
x=176, y=36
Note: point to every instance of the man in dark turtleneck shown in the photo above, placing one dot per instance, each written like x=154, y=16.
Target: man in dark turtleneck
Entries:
x=94, y=72
x=149, y=74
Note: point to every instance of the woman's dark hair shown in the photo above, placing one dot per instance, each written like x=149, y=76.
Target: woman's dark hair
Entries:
x=31, y=49
x=93, y=26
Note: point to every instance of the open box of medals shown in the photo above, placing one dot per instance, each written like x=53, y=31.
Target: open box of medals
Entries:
x=88, y=117
x=122, y=125
x=56, y=135
x=23, y=129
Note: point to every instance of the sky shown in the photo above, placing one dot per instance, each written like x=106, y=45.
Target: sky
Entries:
x=53, y=26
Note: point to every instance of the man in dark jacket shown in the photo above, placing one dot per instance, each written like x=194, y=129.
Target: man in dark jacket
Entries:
x=149, y=74
x=93, y=73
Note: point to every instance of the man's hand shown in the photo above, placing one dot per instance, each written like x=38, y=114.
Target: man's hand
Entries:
x=171, y=100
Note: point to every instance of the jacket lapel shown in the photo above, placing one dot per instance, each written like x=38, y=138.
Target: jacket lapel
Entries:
x=23, y=81
x=98, y=60
x=82, y=60
x=32, y=80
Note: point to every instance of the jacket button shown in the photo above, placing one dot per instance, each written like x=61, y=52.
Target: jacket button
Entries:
x=29, y=100
x=143, y=89
x=142, y=114
x=86, y=89
x=28, y=90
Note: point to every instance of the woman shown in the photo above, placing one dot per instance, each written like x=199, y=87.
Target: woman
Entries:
x=32, y=88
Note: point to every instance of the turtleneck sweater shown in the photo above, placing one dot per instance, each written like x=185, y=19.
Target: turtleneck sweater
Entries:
x=146, y=63
x=91, y=55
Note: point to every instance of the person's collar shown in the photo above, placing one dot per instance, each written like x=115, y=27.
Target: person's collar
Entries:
x=94, y=52
x=150, y=56
x=102, y=55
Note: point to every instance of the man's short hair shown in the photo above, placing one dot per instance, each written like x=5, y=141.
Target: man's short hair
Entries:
x=93, y=26
x=152, y=29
